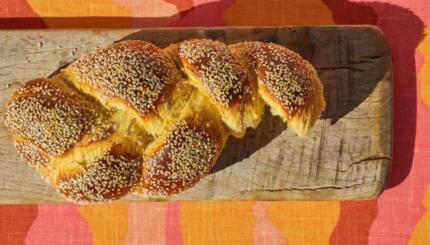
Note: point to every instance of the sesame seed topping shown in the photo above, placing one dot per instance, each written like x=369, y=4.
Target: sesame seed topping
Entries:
x=217, y=68
x=187, y=156
x=289, y=78
x=48, y=117
x=135, y=71
x=109, y=178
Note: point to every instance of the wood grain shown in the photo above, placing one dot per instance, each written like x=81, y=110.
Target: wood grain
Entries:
x=346, y=156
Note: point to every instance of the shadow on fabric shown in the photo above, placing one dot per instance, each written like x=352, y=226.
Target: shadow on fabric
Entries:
x=208, y=14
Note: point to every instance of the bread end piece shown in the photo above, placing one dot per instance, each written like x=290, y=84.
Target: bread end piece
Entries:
x=286, y=82
x=303, y=119
x=220, y=76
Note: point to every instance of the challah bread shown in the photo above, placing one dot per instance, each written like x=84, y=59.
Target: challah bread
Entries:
x=135, y=118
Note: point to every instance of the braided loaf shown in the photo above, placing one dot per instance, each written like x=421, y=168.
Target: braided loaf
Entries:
x=132, y=117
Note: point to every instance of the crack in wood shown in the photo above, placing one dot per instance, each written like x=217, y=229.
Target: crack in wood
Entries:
x=370, y=158
x=318, y=188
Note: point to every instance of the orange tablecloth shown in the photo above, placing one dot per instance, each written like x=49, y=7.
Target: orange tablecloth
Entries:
x=400, y=215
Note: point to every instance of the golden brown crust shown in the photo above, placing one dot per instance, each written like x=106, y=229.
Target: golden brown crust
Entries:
x=188, y=154
x=34, y=156
x=212, y=62
x=48, y=117
x=134, y=71
x=108, y=178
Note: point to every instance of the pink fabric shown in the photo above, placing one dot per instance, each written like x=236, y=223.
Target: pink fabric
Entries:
x=58, y=224
x=398, y=216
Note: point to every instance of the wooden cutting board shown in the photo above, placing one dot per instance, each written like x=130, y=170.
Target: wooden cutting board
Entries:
x=346, y=156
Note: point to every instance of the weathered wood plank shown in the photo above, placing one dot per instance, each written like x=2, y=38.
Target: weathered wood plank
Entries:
x=346, y=156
